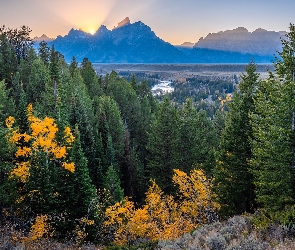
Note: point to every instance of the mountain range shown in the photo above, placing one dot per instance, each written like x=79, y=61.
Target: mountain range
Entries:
x=137, y=43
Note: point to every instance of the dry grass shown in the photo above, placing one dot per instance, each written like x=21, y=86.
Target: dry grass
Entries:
x=11, y=239
x=235, y=234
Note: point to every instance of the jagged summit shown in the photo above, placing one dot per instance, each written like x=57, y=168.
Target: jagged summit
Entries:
x=43, y=38
x=77, y=33
x=125, y=21
x=238, y=30
x=102, y=30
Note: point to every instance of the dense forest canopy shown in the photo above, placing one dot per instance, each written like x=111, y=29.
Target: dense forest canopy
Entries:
x=100, y=159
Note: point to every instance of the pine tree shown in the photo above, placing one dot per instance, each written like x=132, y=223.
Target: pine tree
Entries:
x=133, y=82
x=219, y=123
x=73, y=66
x=123, y=93
x=44, y=52
x=129, y=168
x=8, y=61
x=110, y=128
x=163, y=145
x=113, y=186
x=273, y=132
x=39, y=79
x=233, y=180
x=75, y=189
x=21, y=112
x=8, y=189
x=19, y=39
x=90, y=78
x=7, y=106
x=54, y=68
x=198, y=140
x=25, y=66
x=147, y=114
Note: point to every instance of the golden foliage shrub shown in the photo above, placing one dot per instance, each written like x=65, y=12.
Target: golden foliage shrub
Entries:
x=39, y=228
x=162, y=216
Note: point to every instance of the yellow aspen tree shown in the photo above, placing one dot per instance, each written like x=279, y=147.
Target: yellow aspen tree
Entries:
x=162, y=217
x=38, y=156
x=42, y=138
x=196, y=198
x=39, y=228
x=117, y=218
x=163, y=213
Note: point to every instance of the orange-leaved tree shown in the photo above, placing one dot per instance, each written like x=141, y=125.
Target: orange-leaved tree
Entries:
x=164, y=216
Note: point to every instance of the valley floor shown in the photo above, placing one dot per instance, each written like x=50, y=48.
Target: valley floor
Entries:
x=176, y=71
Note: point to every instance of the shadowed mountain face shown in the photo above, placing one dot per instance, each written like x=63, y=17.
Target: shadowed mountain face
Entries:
x=137, y=43
x=126, y=43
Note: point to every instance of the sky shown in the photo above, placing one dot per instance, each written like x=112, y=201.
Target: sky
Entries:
x=175, y=21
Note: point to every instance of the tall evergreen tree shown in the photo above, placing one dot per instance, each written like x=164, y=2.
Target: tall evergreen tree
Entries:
x=19, y=39
x=233, y=179
x=163, y=144
x=219, y=123
x=75, y=189
x=110, y=128
x=39, y=78
x=8, y=189
x=7, y=106
x=113, y=185
x=21, y=112
x=44, y=52
x=54, y=68
x=123, y=93
x=80, y=112
x=90, y=78
x=73, y=66
x=133, y=82
x=198, y=139
x=273, y=132
x=148, y=109
x=8, y=61
x=25, y=66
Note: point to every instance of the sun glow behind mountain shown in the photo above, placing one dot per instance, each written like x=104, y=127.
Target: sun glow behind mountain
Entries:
x=92, y=31
x=87, y=17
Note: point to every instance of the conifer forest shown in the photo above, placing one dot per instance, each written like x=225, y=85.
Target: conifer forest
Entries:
x=99, y=159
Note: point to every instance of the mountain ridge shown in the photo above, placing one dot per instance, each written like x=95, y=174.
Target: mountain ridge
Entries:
x=137, y=43
x=128, y=42
x=260, y=41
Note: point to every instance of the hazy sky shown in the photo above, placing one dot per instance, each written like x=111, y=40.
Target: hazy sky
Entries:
x=175, y=21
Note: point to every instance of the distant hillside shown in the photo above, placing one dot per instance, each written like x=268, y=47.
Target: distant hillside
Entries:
x=137, y=43
x=259, y=42
x=186, y=45
x=201, y=55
